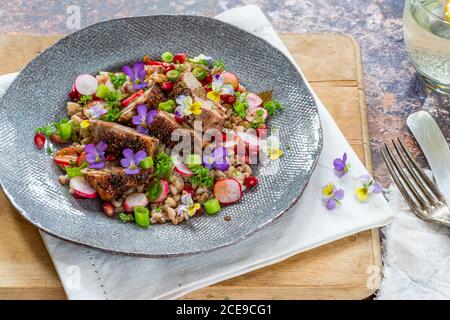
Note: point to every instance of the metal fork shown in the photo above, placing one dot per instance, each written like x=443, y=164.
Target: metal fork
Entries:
x=421, y=194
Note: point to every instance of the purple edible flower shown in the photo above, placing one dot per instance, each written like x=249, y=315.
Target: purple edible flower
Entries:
x=95, y=155
x=131, y=161
x=144, y=118
x=332, y=196
x=137, y=75
x=341, y=166
x=217, y=159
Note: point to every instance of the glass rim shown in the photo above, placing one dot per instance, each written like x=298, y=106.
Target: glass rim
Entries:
x=432, y=13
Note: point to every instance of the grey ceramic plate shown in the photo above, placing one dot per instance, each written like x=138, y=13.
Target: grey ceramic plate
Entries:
x=38, y=96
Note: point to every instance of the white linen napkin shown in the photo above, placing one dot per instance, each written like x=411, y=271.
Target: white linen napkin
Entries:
x=90, y=274
x=416, y=255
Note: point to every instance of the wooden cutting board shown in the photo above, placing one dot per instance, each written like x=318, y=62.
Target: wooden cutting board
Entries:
x=339, y=270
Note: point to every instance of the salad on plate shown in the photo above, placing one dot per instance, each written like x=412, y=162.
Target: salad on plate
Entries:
x=161, y=140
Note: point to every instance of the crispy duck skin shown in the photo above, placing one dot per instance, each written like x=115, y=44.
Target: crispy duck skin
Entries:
x=211, y=116
x=112, y=182
x=152, y=97
x=119, y=137
x=162, y=127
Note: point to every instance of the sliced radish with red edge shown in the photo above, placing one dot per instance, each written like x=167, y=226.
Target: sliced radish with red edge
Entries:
x=228, y=191
x=180, y=167
x=81, y=188
x=86, y=84
x=136, y=199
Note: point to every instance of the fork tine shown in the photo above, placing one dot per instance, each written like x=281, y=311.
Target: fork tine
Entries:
x=422, y=174
x=389, y=163
x=412, y=173
x=405, y=179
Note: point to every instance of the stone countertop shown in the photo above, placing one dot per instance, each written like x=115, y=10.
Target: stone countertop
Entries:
x=393, y=88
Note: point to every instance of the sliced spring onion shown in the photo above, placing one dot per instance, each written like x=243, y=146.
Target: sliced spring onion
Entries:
x=146, y=163
x=173, y=75
x=200, y=73
x=167, y=57
x=193, y=160
x=212, y=206
x=142, y=216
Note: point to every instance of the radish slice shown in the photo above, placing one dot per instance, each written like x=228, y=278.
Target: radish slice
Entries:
x=180, y=167
x=164, y=191
x=251, y=114
x=228, y=191
x=254, y=101
x=137, y=199
x=86, y=84
x=81, y=188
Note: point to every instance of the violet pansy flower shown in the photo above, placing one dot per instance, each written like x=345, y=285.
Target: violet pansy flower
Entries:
x=341, y=166
x=131, y=160
x=369, y=185
x=95, y=155
x=144, y=118
x=332, y=196
x=136, y=74
x=217, y=159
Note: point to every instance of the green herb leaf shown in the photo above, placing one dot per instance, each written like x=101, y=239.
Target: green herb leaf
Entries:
x=117, y=79
x=112, y=115
x=126, y=217
x=84, y=100
x=201, y=177
x=164, y=165
x=76, y=171
x=241, y=105
x=272, y=106
x=219, y=64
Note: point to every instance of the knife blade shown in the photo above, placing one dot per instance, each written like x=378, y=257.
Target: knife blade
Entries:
x=434, y=146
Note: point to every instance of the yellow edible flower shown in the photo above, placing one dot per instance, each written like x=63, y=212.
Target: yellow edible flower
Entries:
x=362, y=193
x=195, y=108
x=193, y=209
x=328, y=190
x=214, y=96
x=84, y=124
x=447, y=10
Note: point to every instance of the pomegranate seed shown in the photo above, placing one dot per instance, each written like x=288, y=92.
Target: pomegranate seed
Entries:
x=250, y=182
x=108, y=209
x=167, y=86
x=179, y=119
x=231, y=99
x=207, y=80
x=73, y=94
x=39, y=140
x=188, y=189
x=110, y=158
x=168, y=68
x=179, y=58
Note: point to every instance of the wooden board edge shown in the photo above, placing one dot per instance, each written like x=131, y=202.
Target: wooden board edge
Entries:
x=376, y=243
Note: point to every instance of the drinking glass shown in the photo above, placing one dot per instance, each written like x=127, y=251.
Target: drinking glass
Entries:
x=426, y=27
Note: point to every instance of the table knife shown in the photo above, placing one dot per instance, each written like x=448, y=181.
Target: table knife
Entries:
x=434, y=146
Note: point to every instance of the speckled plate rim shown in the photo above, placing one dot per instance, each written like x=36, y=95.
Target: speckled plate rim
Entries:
x=187, y=253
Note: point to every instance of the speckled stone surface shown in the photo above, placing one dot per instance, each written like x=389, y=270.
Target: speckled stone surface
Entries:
x=393, y=88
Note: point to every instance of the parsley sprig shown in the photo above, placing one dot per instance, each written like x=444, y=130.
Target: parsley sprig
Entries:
x=117, y=79
x=164, y=165
x=201, y=177
x=241, y=105
x=272, y=106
